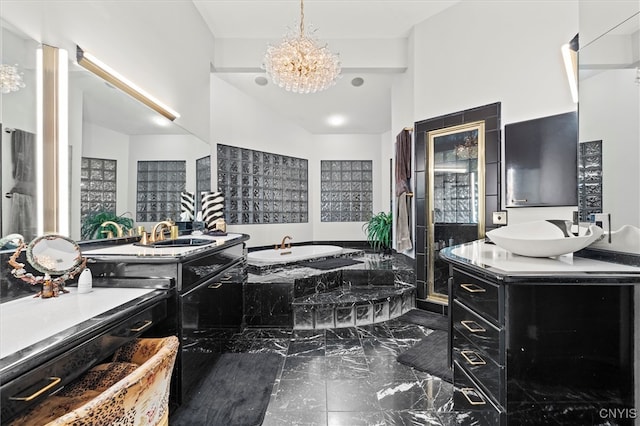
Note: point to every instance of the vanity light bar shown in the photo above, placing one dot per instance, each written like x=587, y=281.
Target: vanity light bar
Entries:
x=108, y=74
x=570, y=58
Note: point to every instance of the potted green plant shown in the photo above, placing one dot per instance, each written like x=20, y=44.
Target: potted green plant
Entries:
x=92, y=225
x=378, y=231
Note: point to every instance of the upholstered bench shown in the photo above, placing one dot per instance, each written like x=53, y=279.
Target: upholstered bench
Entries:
x=132, y=389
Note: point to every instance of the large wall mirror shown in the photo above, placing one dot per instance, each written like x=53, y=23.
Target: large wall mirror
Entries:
x=113, y=140
x=18, y=132
x=127, y=159
x=609, y=109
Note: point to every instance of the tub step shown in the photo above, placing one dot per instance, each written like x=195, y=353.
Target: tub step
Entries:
x=352, y=306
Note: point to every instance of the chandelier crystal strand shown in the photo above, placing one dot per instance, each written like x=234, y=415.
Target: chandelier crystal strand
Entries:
x=300, y=64
x=10, y=79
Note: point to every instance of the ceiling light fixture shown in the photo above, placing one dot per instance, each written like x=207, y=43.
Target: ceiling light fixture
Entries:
x=300, y=64
x=10, y=79
x=111, y=76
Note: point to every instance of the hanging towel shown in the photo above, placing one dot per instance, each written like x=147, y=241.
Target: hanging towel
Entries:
x=403, y=233
x=403, y=162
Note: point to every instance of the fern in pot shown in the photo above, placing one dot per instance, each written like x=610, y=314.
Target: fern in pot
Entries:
x=378, y=231
x=91, y=225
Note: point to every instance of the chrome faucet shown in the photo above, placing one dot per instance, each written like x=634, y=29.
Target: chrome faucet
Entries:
x=119, y=230
x=283, y=245
x=156, y=233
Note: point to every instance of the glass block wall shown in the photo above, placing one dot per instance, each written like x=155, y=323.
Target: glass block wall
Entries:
x=158, y=190
x=97, y=186
x=589, y=179
x=346, y=191
x=261, y=187
x=203, y=175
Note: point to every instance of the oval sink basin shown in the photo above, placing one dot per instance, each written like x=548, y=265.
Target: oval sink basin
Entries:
x=180, y=242
x=543, y=238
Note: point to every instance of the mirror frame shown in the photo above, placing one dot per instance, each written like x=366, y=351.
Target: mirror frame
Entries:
x=479, y=126
x=32, y=255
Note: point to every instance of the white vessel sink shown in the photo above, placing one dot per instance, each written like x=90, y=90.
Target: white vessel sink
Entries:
x=543, y=238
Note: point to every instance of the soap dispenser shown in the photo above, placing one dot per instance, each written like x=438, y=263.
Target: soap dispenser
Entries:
x=85, y=281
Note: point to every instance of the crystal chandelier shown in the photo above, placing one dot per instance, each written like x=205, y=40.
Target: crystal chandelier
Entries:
x=300, y=64
x=10, y=79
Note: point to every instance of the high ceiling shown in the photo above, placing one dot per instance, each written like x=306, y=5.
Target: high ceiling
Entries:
x=348, y=27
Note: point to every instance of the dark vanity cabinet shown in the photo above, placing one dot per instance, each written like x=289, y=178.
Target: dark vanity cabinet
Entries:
x=526, y=352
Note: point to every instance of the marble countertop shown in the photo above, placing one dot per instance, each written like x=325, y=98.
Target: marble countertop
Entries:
x=32, y=327
x=504, y=265
x=161, y=253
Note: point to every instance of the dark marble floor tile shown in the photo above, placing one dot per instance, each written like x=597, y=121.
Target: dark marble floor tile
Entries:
x=279, y=346
x=386, y=368
x=314, y=347
x=380, y=347
x=470, y=418
x=375, y=330
x=351, y=395
x=401, y=396
x=307, y=334
x=341, y=333
x=236, y=345
x=304, y=367
x=299, y=395
x=306, y=418
x=353, y=418
x=439, y=393
x=351, y=347
x=346, y=367
x=411, y=418
x=268, y=333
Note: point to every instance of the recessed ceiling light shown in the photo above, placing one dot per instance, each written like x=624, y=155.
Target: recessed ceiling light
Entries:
x=336, y=120
x=261, y=80
x=357, y=82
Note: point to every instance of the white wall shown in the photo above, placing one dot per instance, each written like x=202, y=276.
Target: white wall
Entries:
x=618, y=129
x=136, y=38
x=241, y=121
x=481, y=52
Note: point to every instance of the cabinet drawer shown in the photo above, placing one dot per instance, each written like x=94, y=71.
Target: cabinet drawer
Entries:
x=482, y=367
x=478, y=331
x=467, y=396
x=478, y=294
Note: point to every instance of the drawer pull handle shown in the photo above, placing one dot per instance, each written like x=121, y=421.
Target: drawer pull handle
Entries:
x=473, y=326
x=226, y=277
x=54, y=381
x=144, y=326
x=214, y=286
x=471, y=392
x=473, y=288
x=473, y=358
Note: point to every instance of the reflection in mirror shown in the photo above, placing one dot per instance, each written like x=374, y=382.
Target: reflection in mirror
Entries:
x=18, y=123
x=56, y=256
x=456, y=195
x=609, y=122
x=126, y=155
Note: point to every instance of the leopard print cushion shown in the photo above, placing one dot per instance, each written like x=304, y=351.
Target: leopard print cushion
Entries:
x=132, y=390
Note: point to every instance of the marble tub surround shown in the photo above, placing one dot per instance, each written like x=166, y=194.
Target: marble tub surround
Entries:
x=270, y=297
x=271, y=265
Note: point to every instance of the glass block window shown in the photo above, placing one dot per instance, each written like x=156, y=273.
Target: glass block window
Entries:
x=97, y=186
x=261, y=187
x=346, y=191
x=159, y=187
x=589, y=179
x=203, y=175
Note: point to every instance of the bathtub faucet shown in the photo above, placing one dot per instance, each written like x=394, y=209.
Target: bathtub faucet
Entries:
x=283, y=245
